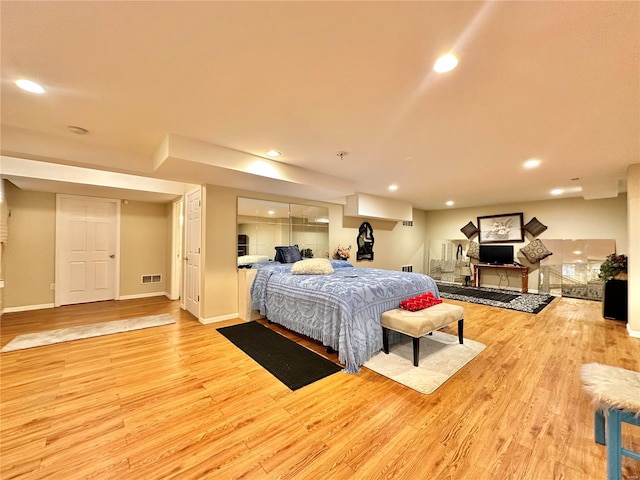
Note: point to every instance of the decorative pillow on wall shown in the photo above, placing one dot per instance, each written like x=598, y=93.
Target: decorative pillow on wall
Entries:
x=469, y=230
x=474, y=250
x=312, y=266
x=534, y=227
x=288, y=254
x=535, y=251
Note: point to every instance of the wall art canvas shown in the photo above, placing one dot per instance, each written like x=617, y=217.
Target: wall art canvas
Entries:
x=503, y=228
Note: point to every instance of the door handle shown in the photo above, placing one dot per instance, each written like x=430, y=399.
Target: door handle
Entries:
x=112, y=256
x=186, y=259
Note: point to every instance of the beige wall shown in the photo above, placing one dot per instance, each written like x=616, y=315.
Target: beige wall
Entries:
x=29, y=257
x=571, y=218
x=144, y=242
x=633, y=201
x=30, y=252
x=566, y=218
x=394, y=245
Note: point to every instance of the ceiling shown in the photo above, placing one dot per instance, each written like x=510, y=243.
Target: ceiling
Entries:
x=198, y=92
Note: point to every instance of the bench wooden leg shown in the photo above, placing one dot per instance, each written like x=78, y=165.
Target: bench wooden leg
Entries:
x=385, y=339
x=460, y=330
x=416, y=351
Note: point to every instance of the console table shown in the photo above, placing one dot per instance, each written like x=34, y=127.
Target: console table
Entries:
x=524, y=271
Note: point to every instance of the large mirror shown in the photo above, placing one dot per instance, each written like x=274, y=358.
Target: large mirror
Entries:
x=263, y=225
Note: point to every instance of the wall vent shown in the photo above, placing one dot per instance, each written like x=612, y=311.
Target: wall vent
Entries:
x=407, y=268
x=155, y=278
x=407, y=223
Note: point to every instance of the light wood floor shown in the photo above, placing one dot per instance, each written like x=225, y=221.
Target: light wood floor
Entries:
x=180, y=401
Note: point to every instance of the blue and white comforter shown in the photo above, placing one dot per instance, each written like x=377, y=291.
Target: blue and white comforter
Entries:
x=342, y=310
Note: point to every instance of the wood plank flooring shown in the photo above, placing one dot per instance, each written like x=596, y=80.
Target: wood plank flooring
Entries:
x=180, y=401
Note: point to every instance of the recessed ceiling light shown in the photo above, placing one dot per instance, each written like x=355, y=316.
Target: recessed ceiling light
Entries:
x=445, y=63
x=273, y=153
x=393, y=188
x=271, y=212
x=450, y=202
x=29, y=86
x=532, y=163
x=557, y=191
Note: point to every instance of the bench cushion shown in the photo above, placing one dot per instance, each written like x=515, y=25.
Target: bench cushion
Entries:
x=418, y=324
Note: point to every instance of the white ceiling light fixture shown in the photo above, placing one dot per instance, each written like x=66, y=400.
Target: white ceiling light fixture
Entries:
x=557, y=191
x=393, y=188
x=532, y=163
x=273, y=153
x=29, y=86
x=449, y=203
x=445, y=63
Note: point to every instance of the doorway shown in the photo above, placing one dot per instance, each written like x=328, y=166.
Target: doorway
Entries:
x=87, y=249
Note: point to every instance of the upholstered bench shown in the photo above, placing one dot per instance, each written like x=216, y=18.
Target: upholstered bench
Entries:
x=418, y=324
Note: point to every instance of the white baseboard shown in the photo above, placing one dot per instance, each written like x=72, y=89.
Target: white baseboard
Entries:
x=221, y=318
x=633, y=333
x=143, y=295
x=26, y=308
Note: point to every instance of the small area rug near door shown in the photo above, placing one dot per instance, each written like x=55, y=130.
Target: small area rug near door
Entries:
x=441, y=356
x=496, y=297
x=49, y=337
x=291, y=363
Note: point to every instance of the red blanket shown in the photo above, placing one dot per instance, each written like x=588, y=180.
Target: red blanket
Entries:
x=419, y=302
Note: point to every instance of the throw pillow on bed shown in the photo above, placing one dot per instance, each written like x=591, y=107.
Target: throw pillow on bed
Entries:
x=340, y=264
x=312, y=266
x=287, y=254
x=419, y=302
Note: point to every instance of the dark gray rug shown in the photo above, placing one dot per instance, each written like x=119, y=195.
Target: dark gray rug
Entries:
x=292, y=364
x=495, y=297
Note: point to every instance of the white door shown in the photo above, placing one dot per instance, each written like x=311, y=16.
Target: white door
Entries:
x=192, y=253
x=176, y=251
x=87, y=248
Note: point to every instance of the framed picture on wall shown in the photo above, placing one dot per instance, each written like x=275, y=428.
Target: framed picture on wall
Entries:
x=503, y=228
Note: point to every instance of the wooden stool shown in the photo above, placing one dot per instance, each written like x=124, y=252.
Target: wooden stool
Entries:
x=418, y=324
x=615, y=392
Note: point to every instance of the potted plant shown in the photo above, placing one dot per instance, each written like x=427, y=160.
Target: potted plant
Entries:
x=614, y=273
x=615, y=266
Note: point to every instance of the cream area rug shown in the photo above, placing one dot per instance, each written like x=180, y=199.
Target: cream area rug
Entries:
x=441, y=356
x=49, y=337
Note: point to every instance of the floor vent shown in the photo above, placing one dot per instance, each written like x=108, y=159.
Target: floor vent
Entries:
x=407, y=268
x=151, y=278
x=407, y=223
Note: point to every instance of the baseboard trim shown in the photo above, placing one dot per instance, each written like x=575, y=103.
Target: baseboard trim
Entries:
x=221, y=318
x=26, y=308
x=143, y=295
x=633, y=333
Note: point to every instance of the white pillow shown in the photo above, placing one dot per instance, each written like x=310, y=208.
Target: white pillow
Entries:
x=245, y=259
x=312, y=266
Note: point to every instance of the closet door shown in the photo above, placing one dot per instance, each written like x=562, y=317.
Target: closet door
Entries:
x=87, y=249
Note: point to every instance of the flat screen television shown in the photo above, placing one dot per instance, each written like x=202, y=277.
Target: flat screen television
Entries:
x=496, y=254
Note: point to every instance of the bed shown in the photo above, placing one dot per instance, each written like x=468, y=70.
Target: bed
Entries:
x=342, y=309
